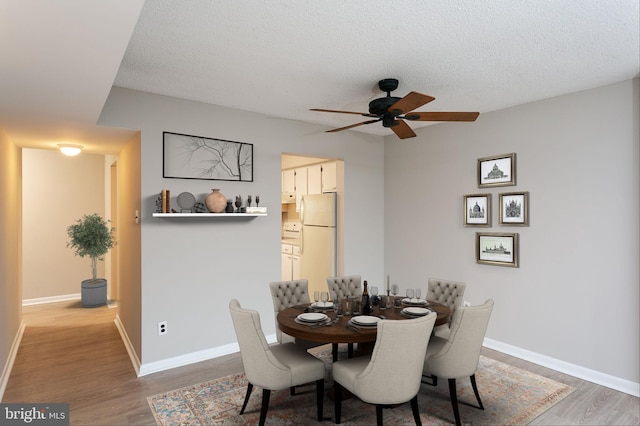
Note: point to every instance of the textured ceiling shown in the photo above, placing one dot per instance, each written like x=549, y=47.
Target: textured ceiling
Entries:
x=282, y=57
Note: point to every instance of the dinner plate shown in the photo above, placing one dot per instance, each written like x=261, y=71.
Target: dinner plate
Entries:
x=366, y=320
x=322, y=305
x=414, y=302
x=415, y=312
x=312, y=317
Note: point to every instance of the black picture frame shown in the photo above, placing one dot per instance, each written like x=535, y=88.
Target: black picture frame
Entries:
x=199, y=157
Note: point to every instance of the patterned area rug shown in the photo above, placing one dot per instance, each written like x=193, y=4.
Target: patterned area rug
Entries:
x=511, y=396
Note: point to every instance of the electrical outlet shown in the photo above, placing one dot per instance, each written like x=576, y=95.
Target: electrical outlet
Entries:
x=162, y=328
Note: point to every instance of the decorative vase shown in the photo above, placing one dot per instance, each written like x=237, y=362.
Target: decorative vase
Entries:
x=229, y=208
x=216, y=202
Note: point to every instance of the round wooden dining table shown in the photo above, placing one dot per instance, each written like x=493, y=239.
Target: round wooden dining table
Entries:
x=341, y=331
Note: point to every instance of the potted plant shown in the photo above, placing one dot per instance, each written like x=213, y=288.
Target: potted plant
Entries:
x=91, y=236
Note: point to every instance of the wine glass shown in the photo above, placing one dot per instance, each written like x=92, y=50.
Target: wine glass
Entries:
x=374, y=295
x=410, y=294
x=249, y=201
x=395, y=290
x=257, y=200
x=418, y=293
x=324, y=296
x=316, y=297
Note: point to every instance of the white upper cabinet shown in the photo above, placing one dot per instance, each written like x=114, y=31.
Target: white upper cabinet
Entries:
x=301, y=185
x=329, y=177
x=314, y=179
x=288, y=181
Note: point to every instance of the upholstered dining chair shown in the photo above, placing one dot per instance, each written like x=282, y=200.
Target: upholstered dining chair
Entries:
x=344, y=287
x=457, y=356
x=392, y=374
x=449, y=293
x=273, y=367
x=285, y=294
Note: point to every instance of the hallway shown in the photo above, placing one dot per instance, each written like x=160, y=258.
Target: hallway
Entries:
x=75, y=355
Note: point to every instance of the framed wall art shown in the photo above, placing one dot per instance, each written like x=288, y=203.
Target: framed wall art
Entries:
x=500, y=249
x=477, y=210
x=499, y=170
x=514, y=208
x=197, y=157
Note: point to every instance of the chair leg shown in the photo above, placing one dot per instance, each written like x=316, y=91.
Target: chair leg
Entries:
x=379, y=414
x=246, y=397
x=334, y=351
x=434, y=380
x=454, y=400
x=416, y=410
x=350, y=350
x=475, y=390
x=337, y=403
x=266, y=393
x=292, y=391
x=320, y=398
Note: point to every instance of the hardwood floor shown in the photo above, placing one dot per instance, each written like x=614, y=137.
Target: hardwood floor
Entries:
x=75, y=355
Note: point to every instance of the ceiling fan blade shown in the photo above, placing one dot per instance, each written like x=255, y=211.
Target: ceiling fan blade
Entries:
x=364, y=114
x=403, y=130
x=352, y=126
x=410, y=102
x=442, y=116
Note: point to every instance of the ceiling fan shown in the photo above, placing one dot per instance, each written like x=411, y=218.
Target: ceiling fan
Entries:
x=392, y=111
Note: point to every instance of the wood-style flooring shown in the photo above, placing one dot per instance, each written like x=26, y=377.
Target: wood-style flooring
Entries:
x=75, y=355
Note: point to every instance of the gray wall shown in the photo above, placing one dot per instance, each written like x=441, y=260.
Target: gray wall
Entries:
x=192, y=268
x=575, y=296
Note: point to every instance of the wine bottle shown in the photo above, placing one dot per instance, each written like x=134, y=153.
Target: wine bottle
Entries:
x=366, y=308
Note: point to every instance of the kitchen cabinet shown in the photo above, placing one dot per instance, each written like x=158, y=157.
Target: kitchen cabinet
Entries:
x=329, y=177
x=288, y=181
x=290, y=262
x=314, y=179
x=301, y=185
x=287, y=262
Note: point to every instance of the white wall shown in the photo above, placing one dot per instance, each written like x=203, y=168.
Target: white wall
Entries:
x=575, y=296
x=57, y=191
x=192, y=268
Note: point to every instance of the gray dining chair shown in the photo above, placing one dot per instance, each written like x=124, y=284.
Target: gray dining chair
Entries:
x=274, y=367
x=285, y=294
x=344, y=287
x=457, y=356
x=392, y=374
x=449, y=293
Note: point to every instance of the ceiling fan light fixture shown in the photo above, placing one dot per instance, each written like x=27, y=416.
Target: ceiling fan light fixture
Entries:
x=70, y=150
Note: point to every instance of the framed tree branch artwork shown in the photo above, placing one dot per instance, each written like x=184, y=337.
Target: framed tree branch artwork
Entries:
x=499, y=170
x=477, y=210
x=514, y=208
x=500, y=249
x=197, y=157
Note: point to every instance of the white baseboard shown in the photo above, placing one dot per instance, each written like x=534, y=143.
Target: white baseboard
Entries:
x=8, y=366
x=51, y=299
x=128, y=345
x=191, y=358
x=613, y=382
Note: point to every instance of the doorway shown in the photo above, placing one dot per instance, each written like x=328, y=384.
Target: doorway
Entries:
x=305, y=175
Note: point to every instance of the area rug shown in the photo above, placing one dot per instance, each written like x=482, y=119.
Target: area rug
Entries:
x=511, y=396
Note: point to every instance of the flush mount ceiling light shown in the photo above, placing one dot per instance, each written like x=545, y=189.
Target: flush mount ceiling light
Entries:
x=70, y=150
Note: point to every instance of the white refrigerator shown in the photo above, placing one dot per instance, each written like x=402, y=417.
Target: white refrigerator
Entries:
x=318, y=240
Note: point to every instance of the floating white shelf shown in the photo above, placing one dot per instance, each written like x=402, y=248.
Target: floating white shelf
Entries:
x=208, y=214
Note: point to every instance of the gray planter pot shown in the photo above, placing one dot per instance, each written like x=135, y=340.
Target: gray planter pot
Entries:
x=94, y=293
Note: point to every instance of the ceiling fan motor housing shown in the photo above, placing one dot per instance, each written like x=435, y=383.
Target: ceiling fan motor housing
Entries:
x=381, y=105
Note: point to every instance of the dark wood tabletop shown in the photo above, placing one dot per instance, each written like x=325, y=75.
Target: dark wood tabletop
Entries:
x=340, y=331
